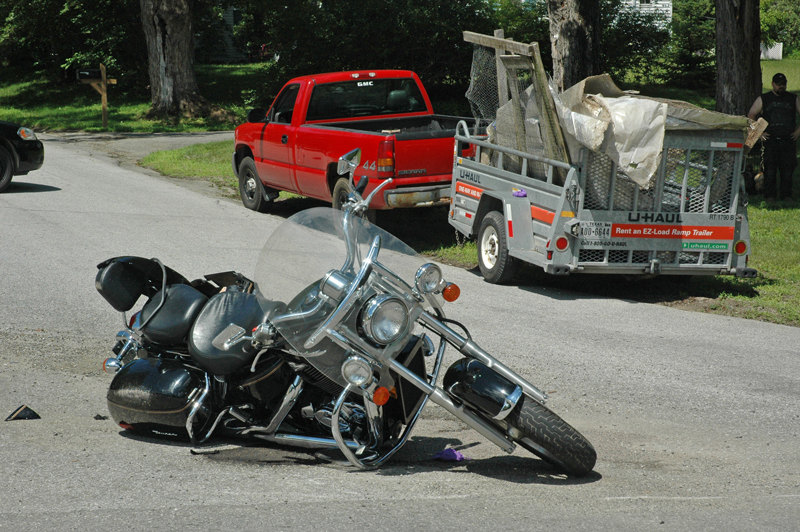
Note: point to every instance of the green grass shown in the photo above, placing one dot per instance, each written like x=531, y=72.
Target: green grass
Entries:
x=210, y=161
x=790, y=67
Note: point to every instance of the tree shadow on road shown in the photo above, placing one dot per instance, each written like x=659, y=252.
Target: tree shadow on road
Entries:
x=664, y=289
x=517, y=469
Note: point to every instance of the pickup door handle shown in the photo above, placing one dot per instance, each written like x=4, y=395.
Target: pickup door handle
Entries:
x=284, y=139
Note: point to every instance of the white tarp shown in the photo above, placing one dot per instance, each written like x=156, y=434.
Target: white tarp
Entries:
x=629, y=128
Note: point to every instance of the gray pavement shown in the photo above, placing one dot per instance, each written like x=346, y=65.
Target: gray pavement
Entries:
x=695, y=417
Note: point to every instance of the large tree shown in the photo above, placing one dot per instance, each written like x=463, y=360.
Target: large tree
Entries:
x=170, y=54
x=575, y=37
x=738, y=55
x=312, y=36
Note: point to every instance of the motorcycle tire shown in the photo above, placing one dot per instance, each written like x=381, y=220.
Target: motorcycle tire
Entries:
x=551, y=438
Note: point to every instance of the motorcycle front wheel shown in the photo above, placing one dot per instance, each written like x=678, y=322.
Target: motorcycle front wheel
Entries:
x=539, y=430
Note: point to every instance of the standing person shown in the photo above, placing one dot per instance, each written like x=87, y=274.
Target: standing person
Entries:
x=778, y=108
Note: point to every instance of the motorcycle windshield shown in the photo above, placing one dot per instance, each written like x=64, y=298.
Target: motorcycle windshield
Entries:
x=300, y=253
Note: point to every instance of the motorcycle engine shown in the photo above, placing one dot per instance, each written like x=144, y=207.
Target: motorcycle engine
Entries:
x=351, y=417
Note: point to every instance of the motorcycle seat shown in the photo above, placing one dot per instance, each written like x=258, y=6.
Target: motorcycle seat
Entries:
x=223, y=309
x=171, y=323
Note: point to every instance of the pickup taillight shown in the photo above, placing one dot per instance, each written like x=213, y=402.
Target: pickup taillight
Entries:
x=386, y=159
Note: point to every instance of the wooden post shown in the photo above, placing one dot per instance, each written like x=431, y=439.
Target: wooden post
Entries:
x=101, y=86
x=514, y=55
x=104, y=94
x=502, y=78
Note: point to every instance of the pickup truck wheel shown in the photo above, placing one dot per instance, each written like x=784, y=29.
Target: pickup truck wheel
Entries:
x=341, y=190
x=250, y=187
x=496, y=265
x=6, y=169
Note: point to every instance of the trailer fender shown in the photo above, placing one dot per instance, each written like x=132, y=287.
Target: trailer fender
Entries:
x=517, y=214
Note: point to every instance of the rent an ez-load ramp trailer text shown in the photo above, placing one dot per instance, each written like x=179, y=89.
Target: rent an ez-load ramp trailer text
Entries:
x=692, y=220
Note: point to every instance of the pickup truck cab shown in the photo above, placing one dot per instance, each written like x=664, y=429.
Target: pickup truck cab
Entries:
x=295, y=145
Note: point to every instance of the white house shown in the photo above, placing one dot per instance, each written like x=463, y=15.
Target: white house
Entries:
x=664, y=7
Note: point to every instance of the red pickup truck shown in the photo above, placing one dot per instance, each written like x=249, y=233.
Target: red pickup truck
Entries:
x=295, y=145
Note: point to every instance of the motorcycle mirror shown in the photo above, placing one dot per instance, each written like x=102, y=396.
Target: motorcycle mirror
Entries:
x=228, y=337
x=349, y=162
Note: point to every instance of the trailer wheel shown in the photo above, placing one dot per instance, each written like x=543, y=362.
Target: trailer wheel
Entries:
x=496, y=265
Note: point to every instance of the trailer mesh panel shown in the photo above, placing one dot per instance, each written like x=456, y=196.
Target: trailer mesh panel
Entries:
x=697, y=181
x=689, y=180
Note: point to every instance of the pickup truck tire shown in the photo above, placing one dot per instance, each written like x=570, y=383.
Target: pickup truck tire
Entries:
x=6, y=169
x=341, y=190
x=251, y=189
x=496, y=265
x=545, y=434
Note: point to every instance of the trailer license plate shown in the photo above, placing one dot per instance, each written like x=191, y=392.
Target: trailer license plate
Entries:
x=595, y=229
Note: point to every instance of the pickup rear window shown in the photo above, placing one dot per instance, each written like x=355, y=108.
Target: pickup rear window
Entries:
x=365, y=97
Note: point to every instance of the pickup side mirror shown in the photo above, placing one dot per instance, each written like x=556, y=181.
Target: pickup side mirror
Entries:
x=256, y=115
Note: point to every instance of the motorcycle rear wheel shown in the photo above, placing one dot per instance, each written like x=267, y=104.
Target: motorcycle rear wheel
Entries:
x=551, y=438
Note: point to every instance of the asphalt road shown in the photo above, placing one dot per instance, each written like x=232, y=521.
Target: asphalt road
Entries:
x=695, y=417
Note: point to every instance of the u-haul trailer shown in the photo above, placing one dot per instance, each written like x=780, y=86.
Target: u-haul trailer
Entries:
x=692, y=220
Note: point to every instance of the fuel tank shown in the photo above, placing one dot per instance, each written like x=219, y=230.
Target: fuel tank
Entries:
x=156, y=396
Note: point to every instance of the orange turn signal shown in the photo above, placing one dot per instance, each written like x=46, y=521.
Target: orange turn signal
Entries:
x=381, y=396
x=451, y=292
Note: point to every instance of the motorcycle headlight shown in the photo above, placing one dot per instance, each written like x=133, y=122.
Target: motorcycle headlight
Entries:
x=357, y=371
x=384, y=319
x=428, y=278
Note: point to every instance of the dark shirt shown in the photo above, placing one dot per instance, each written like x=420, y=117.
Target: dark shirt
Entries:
x=779, y=112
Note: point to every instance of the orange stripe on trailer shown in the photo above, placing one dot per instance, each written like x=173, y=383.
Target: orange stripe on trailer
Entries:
x=537, y=213
x=469, y=190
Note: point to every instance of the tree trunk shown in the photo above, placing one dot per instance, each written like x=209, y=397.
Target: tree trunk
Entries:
x=575, y=38
x=170, y=54
x=738, y=55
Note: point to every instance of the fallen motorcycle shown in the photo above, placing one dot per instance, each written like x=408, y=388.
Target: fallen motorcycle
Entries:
x=337, y=343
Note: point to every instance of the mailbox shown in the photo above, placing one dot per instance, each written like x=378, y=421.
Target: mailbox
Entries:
x=89, y=73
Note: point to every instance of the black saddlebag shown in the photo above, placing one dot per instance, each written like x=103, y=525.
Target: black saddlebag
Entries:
x=156, y=397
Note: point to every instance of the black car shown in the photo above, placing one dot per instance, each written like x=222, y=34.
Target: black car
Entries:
x=20, y=152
